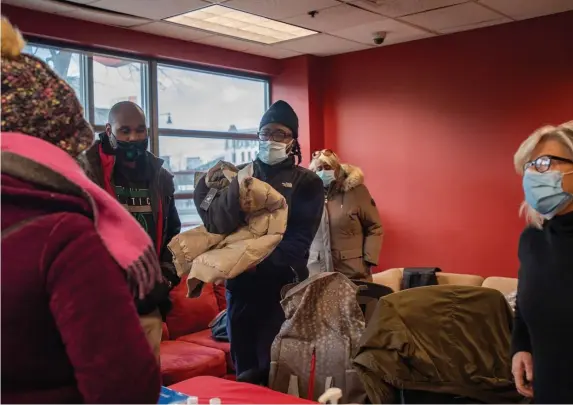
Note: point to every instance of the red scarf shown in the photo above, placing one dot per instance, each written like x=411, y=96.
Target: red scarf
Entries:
x=123, y=237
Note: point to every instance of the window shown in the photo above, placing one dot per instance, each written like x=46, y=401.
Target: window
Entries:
x=201, y=116
x=115, y=80
x=69, y=65
x=206, y=101
x=205, y=117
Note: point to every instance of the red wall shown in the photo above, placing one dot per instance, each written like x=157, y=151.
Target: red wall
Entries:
x=434, y=125
x=300, y=84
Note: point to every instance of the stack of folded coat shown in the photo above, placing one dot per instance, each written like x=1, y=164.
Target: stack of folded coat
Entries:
x=205, y=257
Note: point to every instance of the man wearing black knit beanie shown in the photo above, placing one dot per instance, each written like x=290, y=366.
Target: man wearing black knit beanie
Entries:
x=254, y=313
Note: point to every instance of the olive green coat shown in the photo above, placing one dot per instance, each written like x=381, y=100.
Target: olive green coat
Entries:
x=447, y=339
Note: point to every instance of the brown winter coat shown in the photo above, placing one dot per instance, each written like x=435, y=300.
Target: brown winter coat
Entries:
x=349, y=238
x=447, y=339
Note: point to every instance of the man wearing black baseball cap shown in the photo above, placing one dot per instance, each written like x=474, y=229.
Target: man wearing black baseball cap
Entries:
x=254, y=313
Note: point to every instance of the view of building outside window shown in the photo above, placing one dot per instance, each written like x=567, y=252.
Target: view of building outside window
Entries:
x=188, y=100
x=186, y=156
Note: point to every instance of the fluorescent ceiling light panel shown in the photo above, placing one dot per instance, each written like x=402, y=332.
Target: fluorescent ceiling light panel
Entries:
x=238, y=24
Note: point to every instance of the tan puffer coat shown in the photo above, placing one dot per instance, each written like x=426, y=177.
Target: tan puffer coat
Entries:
x=206, y=257
x=349, y=238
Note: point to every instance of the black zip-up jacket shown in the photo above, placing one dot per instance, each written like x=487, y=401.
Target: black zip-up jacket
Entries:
x=304, y=193
x=162, y=188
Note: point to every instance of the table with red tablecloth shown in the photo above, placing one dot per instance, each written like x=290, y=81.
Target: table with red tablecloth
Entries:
x=232, y=392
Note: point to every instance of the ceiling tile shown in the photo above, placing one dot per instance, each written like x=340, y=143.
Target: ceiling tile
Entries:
x=221, y=41
x=152, y=9
x=171, y=30
x=334, y=18
x=474, y=26
x=453, y=18
x=103, y=17
x=396, y=32
x=81, y=1
x=46, y=6
x=398, y=8
x=271, y=51
x=322, y=45
x=279, y=9
x=522, y=9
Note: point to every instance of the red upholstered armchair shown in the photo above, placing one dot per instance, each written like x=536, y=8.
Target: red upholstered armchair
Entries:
x=188, y=349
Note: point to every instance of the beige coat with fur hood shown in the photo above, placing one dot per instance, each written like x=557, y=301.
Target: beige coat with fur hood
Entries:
x=349, y=238
x=211, y=258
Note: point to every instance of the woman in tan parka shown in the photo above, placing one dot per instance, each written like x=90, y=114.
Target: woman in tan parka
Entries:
x=349, y=238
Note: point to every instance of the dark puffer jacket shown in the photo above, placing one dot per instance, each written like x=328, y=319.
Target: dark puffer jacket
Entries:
x=98, y=163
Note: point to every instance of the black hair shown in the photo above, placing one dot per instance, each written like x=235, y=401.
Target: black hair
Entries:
x=295, y=151
x=119, y=106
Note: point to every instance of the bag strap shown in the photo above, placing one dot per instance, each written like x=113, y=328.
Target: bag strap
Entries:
x=19, y=226
x=293, y=386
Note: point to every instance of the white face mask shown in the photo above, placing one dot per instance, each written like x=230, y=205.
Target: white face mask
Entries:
x=272, y=152
x=327, y=177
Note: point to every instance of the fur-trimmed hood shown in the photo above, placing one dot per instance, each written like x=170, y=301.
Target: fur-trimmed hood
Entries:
x=352, y=177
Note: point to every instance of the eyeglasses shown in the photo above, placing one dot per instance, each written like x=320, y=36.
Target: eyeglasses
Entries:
x=543, y=163
x=325, y=152
x=277, y=135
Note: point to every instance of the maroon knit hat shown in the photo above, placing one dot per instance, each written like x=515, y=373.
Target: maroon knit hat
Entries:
x=36, y=101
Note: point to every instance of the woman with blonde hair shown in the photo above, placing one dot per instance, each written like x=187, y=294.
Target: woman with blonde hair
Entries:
x=543, y=329
x=349, y=238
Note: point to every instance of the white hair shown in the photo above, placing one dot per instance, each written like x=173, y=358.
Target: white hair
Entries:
x=562, y=133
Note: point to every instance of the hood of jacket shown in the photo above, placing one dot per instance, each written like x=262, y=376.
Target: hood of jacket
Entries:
x=212, y=258
x=352, y=177
x=468, y=355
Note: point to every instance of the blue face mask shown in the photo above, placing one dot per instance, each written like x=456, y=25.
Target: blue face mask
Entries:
x=327, y=177
x=544, y=192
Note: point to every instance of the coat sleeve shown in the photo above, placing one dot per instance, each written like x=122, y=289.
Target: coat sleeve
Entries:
x=173, y=226
x=304, y=219
x=159, y=296
x=82, y=161
x=371, y=226
x=520, y=340
x=224, y=214
x=92, y=307
x=172, y=229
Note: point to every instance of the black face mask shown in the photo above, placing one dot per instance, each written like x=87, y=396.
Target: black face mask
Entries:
x=131, y=151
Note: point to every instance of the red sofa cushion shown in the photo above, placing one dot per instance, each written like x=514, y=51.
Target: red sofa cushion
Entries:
x=181, y=361
x=164, y=332
x=205, y=338
x=190, y=315
x=220, y=292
